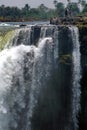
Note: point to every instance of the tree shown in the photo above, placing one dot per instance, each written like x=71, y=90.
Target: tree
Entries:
x=85, y=8
x=34, y=13
x=26, y=7
x=55, y=3
x=69, y=1
x=74, y=8
x=15, y=12
x=79, y=1
x=83, y=3
x=60, y=9
x=25, y=10
x=43, y=11
x=42, y=7
x=3, y=10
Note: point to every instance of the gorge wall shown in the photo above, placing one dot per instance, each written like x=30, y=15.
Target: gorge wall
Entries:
x=43, y=78
x=83, y=82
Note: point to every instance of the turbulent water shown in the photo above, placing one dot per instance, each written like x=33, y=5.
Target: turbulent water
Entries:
x=39, y=79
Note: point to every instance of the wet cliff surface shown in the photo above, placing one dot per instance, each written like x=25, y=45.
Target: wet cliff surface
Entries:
x=41, y=65
x=48, y=87
x=83, y=50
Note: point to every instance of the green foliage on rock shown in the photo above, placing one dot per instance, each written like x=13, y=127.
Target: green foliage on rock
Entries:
x=5, y=37
x=65, y=59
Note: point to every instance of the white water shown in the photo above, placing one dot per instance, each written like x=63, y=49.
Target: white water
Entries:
x=11, y=70
x=76, y=75
x=24, y=70
x=41, y=70
x=21, y=36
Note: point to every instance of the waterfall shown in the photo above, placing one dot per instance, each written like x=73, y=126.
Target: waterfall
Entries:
x=76, y=75
x=14, y=81
x=15, y=68
x=42, y=69
x=39, y=79
x=21, y=36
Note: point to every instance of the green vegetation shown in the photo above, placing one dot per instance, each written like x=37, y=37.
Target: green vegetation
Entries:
x=26, y=13
x=41, y=12
x=59, y=8
x=65, y=59
x=5, y=36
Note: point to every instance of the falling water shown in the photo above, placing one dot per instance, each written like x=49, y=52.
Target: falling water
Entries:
x=15, y=67
x=76, y=75
x=14, y=85
x=22, y=36
x=32, y=81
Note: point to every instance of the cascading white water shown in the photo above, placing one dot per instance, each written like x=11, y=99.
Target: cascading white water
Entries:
x=12, y=84
x=41, y=70
x=21, y=36
x=45, y=55
x=27, y=71
x=12, y=76
x=76, y=75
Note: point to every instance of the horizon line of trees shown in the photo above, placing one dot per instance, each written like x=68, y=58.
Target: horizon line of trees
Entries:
x=42, y=12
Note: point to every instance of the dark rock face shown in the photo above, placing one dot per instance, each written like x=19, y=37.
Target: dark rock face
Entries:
x=27, y=36
x=83, y=49
x=54, y=104
x=83, y=40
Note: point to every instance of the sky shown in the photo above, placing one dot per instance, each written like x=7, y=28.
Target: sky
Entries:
x=32, y=3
